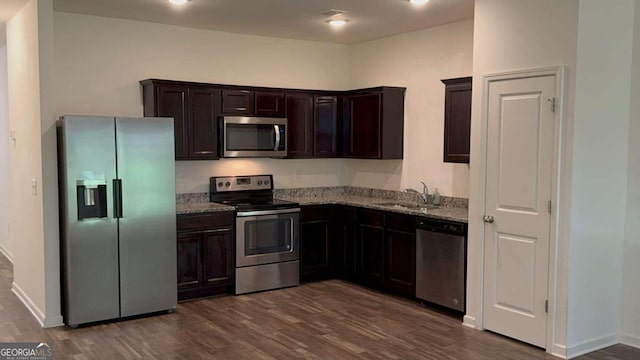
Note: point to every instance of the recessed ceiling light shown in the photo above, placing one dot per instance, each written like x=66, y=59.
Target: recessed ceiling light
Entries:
x=418, y=2
x=338, y=22
x=178, y=2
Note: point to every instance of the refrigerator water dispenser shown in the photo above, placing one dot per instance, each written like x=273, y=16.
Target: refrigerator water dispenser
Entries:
x=92, y=199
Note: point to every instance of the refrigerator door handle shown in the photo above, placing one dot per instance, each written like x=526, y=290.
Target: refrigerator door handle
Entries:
x=117, y=198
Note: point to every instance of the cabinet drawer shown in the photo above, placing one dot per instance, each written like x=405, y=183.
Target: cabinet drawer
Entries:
x=315, y=213
x=194, y=222
x=404, y=223
x=371, y=218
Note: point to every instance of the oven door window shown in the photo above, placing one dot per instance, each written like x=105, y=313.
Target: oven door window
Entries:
x=250, y=137
x=268, y=236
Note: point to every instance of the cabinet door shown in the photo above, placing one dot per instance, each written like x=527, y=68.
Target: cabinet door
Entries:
x=457, y=120
x=218, y=264
x=364, y=126
x=203, y=127
x=300, y=123
x=189, y=260
x=270, y=104
x=237, y=102
x=316, y=230
x=326, y=126
x=371, y=255
x=400, y=260
x=173, y=101
x=343, y=246
x=314, y=248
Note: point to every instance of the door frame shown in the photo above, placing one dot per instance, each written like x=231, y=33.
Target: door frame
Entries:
x=555, y=316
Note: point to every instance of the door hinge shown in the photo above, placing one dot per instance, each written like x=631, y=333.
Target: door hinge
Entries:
x=549, y=206
x=552, y=100
x=546, y=306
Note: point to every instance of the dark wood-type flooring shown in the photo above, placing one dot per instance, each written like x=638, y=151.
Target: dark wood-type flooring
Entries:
x=323, y=320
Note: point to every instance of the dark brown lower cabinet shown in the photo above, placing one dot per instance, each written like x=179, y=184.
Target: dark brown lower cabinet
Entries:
x=370, y=245
x=343, y=251
x=373, y=248
x=316, y=231
x=400, y=255
x=205, y=254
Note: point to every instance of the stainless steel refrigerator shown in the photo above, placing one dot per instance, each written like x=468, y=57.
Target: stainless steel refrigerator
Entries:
x=117, y=216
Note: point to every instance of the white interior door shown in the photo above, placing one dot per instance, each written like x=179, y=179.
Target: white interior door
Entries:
x=517, y=214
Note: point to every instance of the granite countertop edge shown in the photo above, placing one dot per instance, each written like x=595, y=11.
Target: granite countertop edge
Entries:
x=444, y=213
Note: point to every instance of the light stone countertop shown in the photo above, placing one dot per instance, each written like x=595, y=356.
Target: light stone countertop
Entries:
x=201, y=207
x=458, y=214
x=454, y=209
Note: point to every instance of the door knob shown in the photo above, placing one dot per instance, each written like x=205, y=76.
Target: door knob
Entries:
x=488, y=218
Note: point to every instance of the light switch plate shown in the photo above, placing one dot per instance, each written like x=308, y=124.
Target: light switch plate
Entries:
x=34, y=187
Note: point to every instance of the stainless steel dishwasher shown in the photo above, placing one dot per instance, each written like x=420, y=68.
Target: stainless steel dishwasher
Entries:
x=441, y=259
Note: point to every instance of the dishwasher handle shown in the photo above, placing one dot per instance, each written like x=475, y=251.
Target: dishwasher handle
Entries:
x=443, y=226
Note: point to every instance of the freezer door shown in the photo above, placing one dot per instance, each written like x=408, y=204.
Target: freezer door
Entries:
x=89, y=236
x=147, y=226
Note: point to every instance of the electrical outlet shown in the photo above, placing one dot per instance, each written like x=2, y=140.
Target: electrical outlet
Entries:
x=34, y=187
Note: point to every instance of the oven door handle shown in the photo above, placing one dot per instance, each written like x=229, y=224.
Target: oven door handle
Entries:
x=267, y=212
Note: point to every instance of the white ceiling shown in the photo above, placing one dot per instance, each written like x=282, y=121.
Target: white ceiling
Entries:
x=293, y=19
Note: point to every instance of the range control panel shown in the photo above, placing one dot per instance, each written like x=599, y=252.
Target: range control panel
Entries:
x=242, y=183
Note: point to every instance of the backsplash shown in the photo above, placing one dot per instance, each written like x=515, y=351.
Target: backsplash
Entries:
x=332, y=191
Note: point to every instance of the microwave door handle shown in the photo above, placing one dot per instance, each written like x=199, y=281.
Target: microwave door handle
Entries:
x=276, y=129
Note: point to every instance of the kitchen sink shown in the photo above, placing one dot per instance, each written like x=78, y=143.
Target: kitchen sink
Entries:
x=405, y=205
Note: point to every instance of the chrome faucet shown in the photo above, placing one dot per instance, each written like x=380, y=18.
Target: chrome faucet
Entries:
x=424, y=194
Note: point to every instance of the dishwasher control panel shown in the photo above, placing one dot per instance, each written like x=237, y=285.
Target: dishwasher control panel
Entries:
x=443, y=226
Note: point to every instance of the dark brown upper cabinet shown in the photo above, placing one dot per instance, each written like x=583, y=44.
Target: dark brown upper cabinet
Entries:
x=374, y=123
x=313, y=125
x=203, y=132
x=326, y=126
x=193, y=109
x=364, y=123
x=269, y=104
x=237, y=102
x=457, y=119
x=300, y=123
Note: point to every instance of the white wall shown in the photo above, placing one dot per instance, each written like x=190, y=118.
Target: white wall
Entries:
x=25, y=158
x=49, y=182
x=417, y=61
x=600, y=148
x=99, y=62
x=514, y=35
x=5, y=204
x=631, y=285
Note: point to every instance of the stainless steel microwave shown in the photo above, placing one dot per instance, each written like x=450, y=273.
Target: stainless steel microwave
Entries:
x=242, y=136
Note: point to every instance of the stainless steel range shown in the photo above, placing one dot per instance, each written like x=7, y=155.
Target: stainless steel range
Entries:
x=267, y=232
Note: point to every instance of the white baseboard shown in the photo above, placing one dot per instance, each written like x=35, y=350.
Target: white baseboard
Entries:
x=469, y=321
x=6, y=253
x=28, y=303
x=559, y=351
x=592, y=345
x=45, y=322
x=630, y=340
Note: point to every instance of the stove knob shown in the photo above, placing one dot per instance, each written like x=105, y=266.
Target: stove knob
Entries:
x=266, y=182
x=227, y=184
x=259, y=182
x=220, y=184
